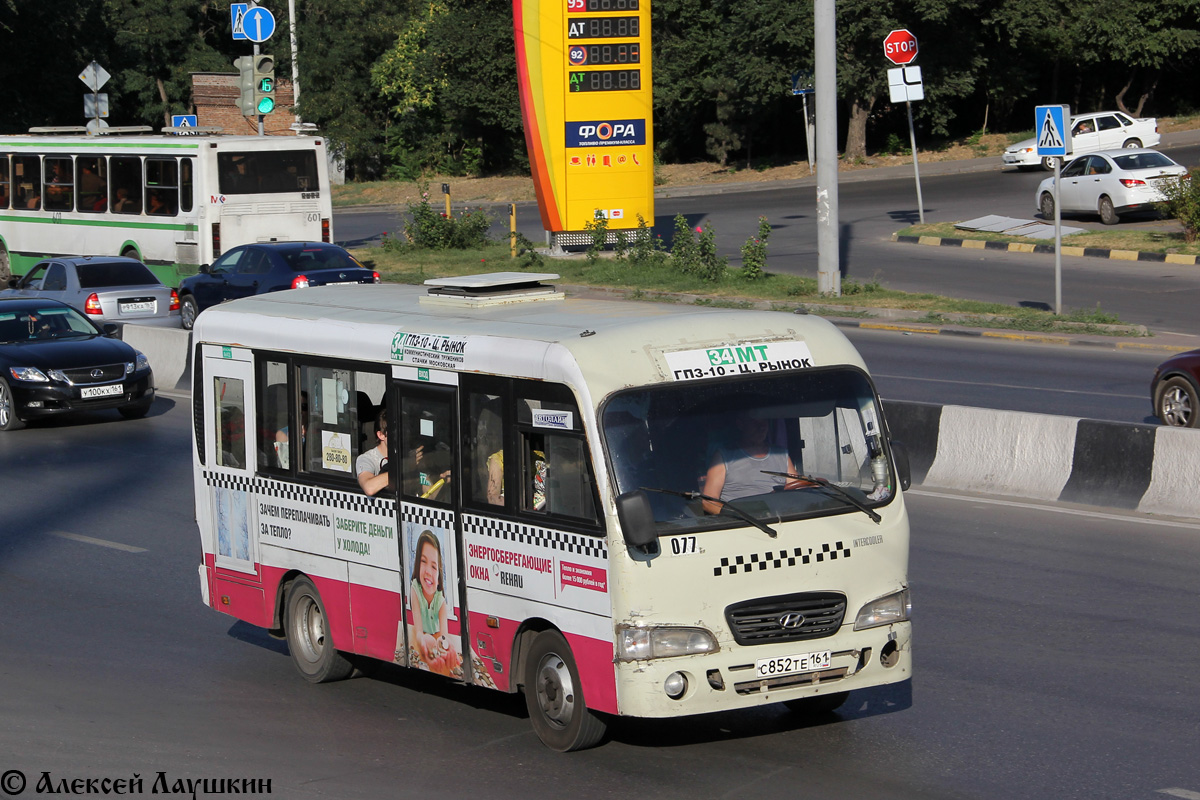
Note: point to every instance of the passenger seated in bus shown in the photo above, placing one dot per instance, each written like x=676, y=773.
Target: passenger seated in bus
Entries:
x=736, y=469
x=124, y=203
x=34, y=201
x=429, y=634
x=425, y=470
x=282, y=435
x=156, y=204
x=371, y=466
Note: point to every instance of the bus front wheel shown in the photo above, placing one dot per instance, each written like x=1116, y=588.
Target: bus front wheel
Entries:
x=308, y=636
x=554, y=696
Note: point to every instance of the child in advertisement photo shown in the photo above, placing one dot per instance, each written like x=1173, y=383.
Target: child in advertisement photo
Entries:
x=431, y=645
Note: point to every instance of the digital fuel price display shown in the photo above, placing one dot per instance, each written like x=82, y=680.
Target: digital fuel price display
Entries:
x=604, y=27
x=584, y=72
x=606, y=80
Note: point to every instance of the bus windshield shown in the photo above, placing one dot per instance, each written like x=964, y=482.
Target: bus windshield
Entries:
x=777, y=447
x=268, y=172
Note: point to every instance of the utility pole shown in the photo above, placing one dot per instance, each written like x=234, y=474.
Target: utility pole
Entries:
x=829, y=275
x=295, y=59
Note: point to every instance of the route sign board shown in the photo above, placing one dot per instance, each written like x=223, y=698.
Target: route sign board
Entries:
x=94, y=76
x=1050, y=127
x=900, y=47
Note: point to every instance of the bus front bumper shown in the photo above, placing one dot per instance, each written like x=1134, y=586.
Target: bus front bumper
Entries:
x=728, y=679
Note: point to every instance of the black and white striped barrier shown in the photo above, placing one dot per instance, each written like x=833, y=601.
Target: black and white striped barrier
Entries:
x=1148, y=468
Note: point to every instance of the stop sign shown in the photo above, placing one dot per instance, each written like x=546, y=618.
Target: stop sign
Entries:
x=900, y=46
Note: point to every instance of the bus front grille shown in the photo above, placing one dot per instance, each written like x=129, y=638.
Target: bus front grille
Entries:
x=787, y=618
x=803, y=679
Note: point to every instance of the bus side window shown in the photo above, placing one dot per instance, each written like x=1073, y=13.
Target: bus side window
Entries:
x=59, y=189
x=555, y=470
x=230, y=422
x=27, y=184
x=186, y=181
x=162, y=187
x=4, y=194
x=125, y=185
x=484, y=466
x=91, y=184
x=426, y=457
x=274, y=425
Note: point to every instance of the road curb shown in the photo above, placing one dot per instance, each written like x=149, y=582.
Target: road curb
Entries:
x=1048, y=249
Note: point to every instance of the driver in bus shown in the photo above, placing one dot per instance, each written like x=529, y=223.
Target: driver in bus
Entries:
x=737, y=469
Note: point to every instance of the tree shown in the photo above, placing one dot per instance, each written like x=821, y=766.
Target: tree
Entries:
x=338, y=42
x=451, y=82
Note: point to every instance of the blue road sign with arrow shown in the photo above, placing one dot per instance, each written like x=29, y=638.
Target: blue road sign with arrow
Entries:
x=250, y=22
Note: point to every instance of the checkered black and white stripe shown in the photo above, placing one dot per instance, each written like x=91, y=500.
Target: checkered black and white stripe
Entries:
x=298, y=493
x=521, y=533
x=776, y=559
x=426, y=516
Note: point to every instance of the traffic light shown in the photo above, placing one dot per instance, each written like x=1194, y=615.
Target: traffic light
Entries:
x=264, y=84
x=245, y=65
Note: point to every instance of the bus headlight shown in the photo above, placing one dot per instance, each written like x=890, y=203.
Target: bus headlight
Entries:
x=895, y=607
x=642, y=644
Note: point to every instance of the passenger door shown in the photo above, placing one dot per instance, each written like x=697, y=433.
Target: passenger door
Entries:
x=1111, y=133
x=423, y=439
x=229, y=447
x=251, y=270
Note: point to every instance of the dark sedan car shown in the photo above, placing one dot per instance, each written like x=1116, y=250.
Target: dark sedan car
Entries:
x=1175, y=389
x=268, y=267
x=53, y=360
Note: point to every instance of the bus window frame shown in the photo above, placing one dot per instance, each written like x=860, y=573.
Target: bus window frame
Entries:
x=5, y=182
x=513, y=435
x=101, y=172
x=58, y=191
x=293, y=364
x=161, y=190
x=33, y=190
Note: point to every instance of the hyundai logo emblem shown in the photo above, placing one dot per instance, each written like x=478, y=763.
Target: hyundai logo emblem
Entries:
x=791, y=620
x=97, y=373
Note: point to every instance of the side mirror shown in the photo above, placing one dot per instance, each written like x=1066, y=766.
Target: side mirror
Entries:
x=204, y=269
x=637, y=519
x=903, y=470
x=13, y=280
x=111, y=329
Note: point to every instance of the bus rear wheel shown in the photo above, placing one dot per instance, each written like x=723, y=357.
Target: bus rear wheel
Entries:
x=308, y=636
x=554, y=696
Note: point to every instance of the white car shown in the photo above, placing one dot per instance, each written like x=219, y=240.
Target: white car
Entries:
x=1102, y=130
x=1109, y=183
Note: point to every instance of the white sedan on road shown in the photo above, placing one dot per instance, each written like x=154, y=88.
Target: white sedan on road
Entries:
x=1110, y=183
x=1102, y=130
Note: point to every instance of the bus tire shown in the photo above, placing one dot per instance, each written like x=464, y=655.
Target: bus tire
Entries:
x=554, y=696
x=308, y=636
x=188, y=311
x=9, y=421
x=130, y=252
x=818, y=704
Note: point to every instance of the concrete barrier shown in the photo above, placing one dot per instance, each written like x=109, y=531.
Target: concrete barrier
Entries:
x=168, y=349
x=1148, y=468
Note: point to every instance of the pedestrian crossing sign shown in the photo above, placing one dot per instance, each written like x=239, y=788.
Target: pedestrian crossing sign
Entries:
x=1050, y=129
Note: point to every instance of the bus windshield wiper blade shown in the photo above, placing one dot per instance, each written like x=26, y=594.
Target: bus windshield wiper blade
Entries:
x=838, y=491
x=725, y=504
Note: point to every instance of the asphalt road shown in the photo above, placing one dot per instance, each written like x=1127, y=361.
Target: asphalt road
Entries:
x=876, y=203
x=1054, y=658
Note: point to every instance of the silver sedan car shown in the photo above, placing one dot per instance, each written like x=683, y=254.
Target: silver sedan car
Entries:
x=1110, y=183
x=105, y=288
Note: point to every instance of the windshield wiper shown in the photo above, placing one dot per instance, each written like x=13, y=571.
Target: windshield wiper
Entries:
x=725, y=504
x=821, y=483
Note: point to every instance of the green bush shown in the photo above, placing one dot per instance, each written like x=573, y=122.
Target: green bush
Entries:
x=754, y=252
x=430, y=229
x=598, y=228
x=697, y=256
x=1183, y=203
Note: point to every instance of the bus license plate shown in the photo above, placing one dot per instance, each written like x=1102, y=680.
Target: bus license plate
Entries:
x=790, y=665
x=136, y=308
x=101, y=391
